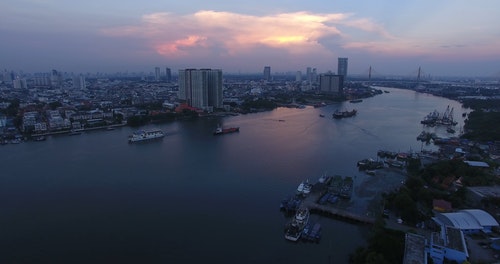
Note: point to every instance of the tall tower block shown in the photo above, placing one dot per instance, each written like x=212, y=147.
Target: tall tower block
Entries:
x=342, y=67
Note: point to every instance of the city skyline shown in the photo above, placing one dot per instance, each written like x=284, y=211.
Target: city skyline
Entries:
x=445, y=38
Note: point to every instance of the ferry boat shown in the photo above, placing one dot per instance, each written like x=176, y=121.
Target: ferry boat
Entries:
x=143, y=135
x=220, y=131
x=295, y=228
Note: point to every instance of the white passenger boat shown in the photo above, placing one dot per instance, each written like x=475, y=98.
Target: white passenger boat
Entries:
x=143, y=135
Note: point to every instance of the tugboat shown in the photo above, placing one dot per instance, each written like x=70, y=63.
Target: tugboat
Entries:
x=343, y=114
x=220, y=131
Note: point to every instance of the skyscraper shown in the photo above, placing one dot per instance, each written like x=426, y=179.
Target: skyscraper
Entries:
x=309, y=74
x=267, y=73
x=157, y=74
x=201, y=88
x=342, y=67
x=168, y=75
x=331, y=83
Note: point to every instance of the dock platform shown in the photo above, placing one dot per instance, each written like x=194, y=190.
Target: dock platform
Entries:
x=311, y=202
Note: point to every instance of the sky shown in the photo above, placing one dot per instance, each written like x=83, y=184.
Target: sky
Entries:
x=393, y=37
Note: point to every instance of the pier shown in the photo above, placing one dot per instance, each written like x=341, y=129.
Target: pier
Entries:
x=330, y=211
x=311, y=201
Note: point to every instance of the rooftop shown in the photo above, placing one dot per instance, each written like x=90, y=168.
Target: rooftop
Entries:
x=414, y=249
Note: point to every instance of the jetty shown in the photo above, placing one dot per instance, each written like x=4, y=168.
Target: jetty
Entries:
x=311, y=202
x=335, y=187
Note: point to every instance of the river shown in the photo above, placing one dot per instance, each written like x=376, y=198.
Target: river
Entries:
x=193, y=197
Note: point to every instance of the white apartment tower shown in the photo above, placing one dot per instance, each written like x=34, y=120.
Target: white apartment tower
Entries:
x=201, y=88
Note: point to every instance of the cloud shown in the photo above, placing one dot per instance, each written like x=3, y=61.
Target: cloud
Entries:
x=211, y=33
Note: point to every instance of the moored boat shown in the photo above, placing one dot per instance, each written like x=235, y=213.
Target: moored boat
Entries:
x=304, y=188
x=294, y=229
x=39, y=138
x=143, y=135
x=312, y=233
x=220, y=131
x=74, y=132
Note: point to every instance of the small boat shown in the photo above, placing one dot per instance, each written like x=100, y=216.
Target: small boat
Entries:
x=450, y=130
x=321, y=115
x=370, y=172
x=304, y=188
x=40, y=138
x=221, y=131
x=74, y=132
x=356, y=101
x=312, y=233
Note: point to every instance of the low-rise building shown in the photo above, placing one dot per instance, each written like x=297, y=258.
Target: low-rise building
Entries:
x=448, y=244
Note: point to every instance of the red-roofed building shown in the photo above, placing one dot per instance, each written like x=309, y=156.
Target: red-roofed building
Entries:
x=441, y=205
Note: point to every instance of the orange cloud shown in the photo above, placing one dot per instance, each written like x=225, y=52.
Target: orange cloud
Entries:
x=177, y=48
x=232, y=34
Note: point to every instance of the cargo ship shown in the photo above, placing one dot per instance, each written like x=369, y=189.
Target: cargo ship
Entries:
x=220, y=131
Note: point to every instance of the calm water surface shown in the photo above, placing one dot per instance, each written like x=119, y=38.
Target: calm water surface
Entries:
x=192, y=197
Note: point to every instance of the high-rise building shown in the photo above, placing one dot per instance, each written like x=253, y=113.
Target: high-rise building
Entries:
x=298, y=76
x=56, y=79
x=20, y=83
x=168, y=75
x=314, y=76
x=331, y=83
x=267, y=73
x=309, y=75
x=79, y=82
x=157, y=74
x=201, y=88
x=41, y=80
x=342, y=67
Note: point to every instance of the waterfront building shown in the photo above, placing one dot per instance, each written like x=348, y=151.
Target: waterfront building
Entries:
x=267, y=73
x=469, y=221
x=201, y=88
x=448, y=244
x=331, y=83
x=342, y=67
